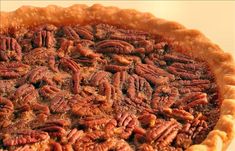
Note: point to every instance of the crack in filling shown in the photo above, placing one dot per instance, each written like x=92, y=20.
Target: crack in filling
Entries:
x=101, y=87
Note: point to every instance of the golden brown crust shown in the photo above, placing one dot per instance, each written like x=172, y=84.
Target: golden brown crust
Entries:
x=194, y=43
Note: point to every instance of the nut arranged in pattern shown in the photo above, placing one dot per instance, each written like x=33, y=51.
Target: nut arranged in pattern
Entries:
x=100, y=87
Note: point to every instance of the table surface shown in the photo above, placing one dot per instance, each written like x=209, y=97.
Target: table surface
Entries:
x=215, y=19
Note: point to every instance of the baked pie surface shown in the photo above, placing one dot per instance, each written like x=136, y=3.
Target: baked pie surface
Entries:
x=102, y=78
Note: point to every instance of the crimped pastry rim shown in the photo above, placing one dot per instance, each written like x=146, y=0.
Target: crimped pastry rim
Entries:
x=194, y=43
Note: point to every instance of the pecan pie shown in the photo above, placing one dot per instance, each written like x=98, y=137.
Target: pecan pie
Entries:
x=103, y=78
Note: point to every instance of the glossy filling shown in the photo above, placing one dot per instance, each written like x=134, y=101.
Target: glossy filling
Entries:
x=99, y=87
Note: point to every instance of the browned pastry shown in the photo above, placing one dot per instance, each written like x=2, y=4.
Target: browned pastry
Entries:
x=102, y=78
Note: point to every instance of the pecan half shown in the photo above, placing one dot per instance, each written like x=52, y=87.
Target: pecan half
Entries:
x=178, y=113
x=128, y=122
x=189, y=131
x=99, y=77
x=76, y=82
x=138, y=89
x=25, y=94
x=49, y=91
x=13, y=69
x=119, y=81
x=59, y=103
x=153, y=74
x=68, y=63
x=72, y=136
x=70, y=33
x=43, y=38
x=164, y=96
x=85, y=32
x=25, y=137
x=55, y=128
x=163, y=133
x=6, y=106
x=114, y=46
x=94, y=121
x=191, y=100
x=9, y=49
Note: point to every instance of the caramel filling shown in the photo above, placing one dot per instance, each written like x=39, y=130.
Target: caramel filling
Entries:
x=100, y=87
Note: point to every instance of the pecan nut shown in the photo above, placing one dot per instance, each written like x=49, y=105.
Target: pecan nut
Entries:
x=59, y=103
x=178, y=113
x=49, y=91
x=139, y=89
x=13, y=69
x=65, y=62
x=114, y=46
x=9, y=49
x=55, y=128
x=163, y=133
x=70, y=33
x=76, y=82
x=6, y=106
x=85, y=32
x=25, y=137
x=192, y=100
x=99, y=77
x=164, y=97
x=73, y=136
x=153, y=74
x=94, y=121
x=43, y=38
x=25, y=94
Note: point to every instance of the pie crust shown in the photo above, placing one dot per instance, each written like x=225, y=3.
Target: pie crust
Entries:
x=195, y=44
